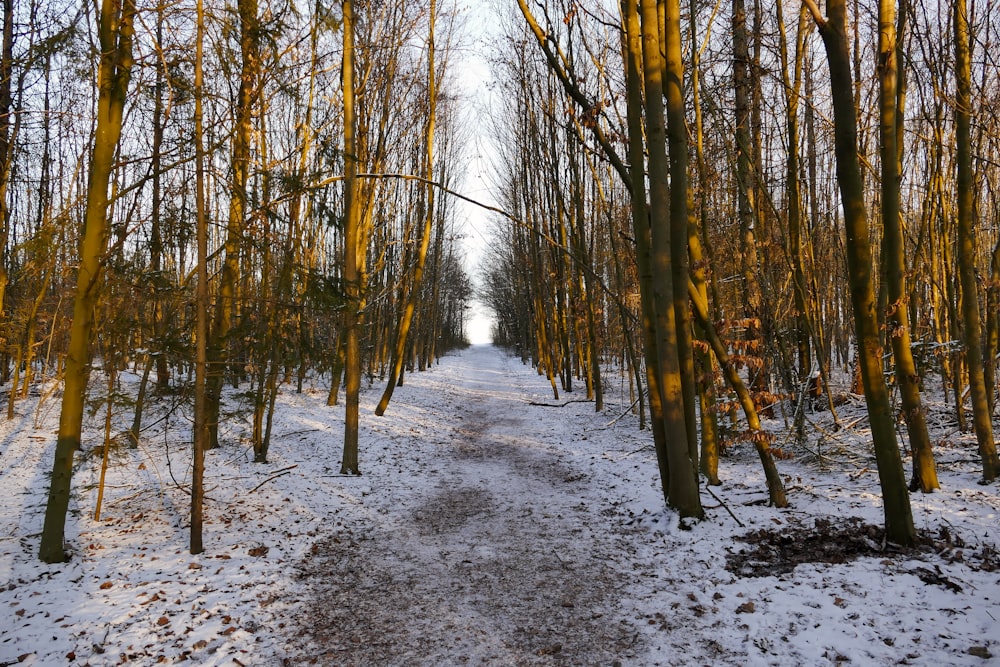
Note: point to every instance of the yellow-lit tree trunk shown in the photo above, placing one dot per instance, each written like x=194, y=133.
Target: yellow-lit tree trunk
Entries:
x=971, y=320
x=667, y=207
x=890, y=124
x=6, y=152
x=352, y=248
x=225, y=307
x=115, y=33
x=413, y=293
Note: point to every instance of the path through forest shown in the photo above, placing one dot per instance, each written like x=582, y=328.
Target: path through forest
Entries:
x=496, y=559
x=490, y=527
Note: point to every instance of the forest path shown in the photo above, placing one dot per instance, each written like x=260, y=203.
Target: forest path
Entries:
x=491, y=552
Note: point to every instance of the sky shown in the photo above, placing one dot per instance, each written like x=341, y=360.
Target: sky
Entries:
x=474, y=76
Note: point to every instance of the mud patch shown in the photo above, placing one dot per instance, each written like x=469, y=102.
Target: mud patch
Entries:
x=778, y=552
x=494, y=594
x=452, y=509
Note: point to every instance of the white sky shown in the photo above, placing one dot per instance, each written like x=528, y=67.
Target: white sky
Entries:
x=474, y=76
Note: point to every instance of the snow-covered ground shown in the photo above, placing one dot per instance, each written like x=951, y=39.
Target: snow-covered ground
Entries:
x=493, y=525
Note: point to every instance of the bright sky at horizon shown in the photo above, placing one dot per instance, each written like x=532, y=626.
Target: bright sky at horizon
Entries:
x=474, y=76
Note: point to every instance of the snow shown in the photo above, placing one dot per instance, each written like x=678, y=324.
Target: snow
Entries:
x=493, y=525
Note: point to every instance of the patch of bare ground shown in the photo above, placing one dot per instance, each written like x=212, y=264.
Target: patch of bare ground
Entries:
x=775, y=552
x=500, y=564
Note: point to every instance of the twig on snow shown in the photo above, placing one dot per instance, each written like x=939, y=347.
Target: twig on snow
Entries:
x=559, y=405
x=723, y=503
x=627, y=410
x=279, y=473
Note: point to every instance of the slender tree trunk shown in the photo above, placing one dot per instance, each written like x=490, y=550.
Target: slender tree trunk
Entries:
x=793, y=85
x=115, y=33
x=705, y=364
x=225, y=308
x=155, y=233
x=140, y=404
x=761, y=440
x=971, y=321
x=896, y=501
x=890, y=124
x=6, y=150
x=745, y=86
x=352, y=248
x=201, y=434
x=993, y=327
x=413, y=292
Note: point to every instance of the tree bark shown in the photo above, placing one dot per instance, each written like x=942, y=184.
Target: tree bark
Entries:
x=225, y=307
x=668, y=207
x=413, y=289
x=972, y=323
x=115, y=33
x=201, y=433
x=6, y=150
x=635, y=182
x=896, y=501
x=897, y=325
x=352, y=248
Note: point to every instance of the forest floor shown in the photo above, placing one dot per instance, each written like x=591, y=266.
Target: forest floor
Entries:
x=493, y=525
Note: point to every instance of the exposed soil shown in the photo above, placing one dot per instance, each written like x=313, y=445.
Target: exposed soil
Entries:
x=498, y=566
x=779, y=552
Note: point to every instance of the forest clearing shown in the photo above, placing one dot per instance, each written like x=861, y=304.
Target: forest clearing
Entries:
x=491, y=526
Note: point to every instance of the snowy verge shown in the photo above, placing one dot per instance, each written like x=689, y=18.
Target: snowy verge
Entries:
x=132, y=594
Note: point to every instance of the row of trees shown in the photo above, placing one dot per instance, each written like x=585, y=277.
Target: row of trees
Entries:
x=252, y=192
x=755, y=194
x=230, y=193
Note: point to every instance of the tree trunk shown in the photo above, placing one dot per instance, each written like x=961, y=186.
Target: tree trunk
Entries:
x=201, y=435
x=115, y=33
x=352, y=248
x=667, y=208
x=155, y=234
x=6, y=149
x=971, y=321
x=890, y=125
x=896, y=501
x=225, y=307
x=700, y=275
x=761, y=440
x=413, y=289
x=641, y=229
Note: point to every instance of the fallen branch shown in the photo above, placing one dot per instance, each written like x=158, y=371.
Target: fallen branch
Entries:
x=306, y=430
x=627, y=410
x=723, y=503
x=559, y=405
x=280, y=473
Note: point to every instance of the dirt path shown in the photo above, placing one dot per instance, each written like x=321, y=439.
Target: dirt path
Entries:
x=494, y=560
